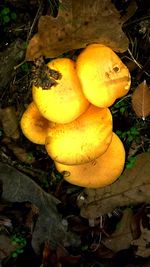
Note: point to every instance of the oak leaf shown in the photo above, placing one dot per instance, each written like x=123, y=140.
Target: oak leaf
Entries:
x=79, y=23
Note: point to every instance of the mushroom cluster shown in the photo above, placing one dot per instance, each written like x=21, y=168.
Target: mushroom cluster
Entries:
x=72, y=117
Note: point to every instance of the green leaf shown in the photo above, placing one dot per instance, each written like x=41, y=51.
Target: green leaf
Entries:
x=14, y=255
x=6, y=19
x=5, y=11
x=25, y=68
x=131, y=162
x=130, y=138
x=134, y=131
x=119, y=133
x=122, y=110
x=13, y=16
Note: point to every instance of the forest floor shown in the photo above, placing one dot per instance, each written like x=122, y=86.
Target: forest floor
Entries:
x=42, y=222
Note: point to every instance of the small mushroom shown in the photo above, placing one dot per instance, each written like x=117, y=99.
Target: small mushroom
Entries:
x=100, y=172
x=82, y=140
x=34, y=126
x=64, y=101
x=103, y=75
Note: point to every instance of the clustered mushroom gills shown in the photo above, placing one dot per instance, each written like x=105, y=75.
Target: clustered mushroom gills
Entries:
x=73, y=120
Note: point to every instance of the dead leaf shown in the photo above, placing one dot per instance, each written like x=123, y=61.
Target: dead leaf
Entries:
x=18, y=187
x=32, y=214
x=4, y=221
x=102, y=252
x=6, y=247
x=9, y=122
x=122, y=236
x=58, y=257
x=132, y=188
x=19, y=152
x=134, y=147
x=141, y=100
x=142, y=243
x=79, y=23
x=12, y=55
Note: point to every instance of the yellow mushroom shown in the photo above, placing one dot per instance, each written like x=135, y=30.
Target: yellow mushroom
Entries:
x=100, y=172
x=103, y=75
x=65, y=101
x=34, y=126
x=82, y=140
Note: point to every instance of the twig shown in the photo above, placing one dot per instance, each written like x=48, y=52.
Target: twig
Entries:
x=34, y=21
x=138, y=64
x=136, y=21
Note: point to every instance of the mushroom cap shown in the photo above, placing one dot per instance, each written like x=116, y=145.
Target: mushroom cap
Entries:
x=34, y=126
x=103, y=75
x=100, y=172
x=82, y=140
x=65, y=101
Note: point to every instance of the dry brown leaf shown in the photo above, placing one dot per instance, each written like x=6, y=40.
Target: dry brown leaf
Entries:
x=9, y=122
x=142, y=243
x=19, y=152
x=122, y=236
x=141, y=100
x=133, y=187
x=78, y=24
x=6, y=247
x=12, y=55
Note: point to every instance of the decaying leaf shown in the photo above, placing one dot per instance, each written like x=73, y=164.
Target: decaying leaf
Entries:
x=122, y=236
x=18, y=187
x=6, y=247
x=133, y=187
x=19, y=152
x=142, y=243
x=79, y=23
x=9, y=58
x=141, y=100
x=9, y=122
